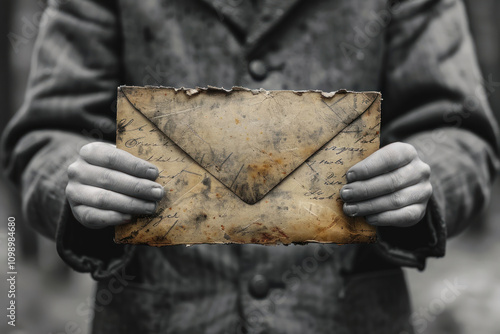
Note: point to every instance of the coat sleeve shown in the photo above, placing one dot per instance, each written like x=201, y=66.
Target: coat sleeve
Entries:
x=435, y=99
x=69, y=102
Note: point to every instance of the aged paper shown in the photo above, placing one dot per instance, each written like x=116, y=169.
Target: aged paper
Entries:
x=248, y=166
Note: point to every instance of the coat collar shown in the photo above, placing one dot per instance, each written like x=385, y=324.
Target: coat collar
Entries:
x=254, y=24
x=270, y=13
x=238, y=12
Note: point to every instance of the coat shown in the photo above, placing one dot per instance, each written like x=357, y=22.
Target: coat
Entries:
x=419, y=54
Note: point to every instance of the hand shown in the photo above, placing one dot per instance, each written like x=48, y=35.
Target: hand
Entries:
x=391, y=187
x=107, y=185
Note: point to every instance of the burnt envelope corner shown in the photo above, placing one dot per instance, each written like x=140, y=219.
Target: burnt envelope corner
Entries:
x=248, y=166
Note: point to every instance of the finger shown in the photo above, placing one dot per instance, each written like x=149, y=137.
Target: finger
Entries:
x=97, y=218
x=387, y=183
x=386, y=159
x=115, y=181
x=108, y=156
x=419, y=193
x=403, y=217
x=108, y=200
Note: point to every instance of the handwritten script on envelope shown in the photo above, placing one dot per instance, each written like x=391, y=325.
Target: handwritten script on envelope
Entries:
x=247, y=166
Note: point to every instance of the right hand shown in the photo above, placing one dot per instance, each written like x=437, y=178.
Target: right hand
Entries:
x=107, y=185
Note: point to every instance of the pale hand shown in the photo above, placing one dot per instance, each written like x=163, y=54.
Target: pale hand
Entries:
x=107, y=185
x=391, y=187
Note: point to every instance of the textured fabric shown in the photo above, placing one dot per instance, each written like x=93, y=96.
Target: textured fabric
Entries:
x=418, y=53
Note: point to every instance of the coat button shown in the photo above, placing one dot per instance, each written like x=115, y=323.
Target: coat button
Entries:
x=257, y=69
x=258, y=286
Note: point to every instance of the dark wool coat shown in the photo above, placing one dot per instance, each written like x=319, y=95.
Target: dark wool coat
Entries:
x=419, y=54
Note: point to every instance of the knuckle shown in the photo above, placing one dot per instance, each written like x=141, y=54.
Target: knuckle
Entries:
x=87, y=149
x=406, y=173
x=113, y=158
x=138, y=167
x=114, y=217
x=83, y=150
x=73, y=170
x=99, y=222
x=425, y=170
x=392, y=152
x=367, y=207
x=100, y=199
x=421, y=193
x=89, y=219
x=135, y=204
x=363, y=190
x=396, y=181
x=105, y=180
x=138, y=188
x=409, y=149
x=364, y=169
x=86, y=218
x=398, y=200
x=403, y=151
x=394, y=146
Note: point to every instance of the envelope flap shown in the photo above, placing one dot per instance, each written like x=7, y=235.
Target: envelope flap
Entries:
x=250, y=140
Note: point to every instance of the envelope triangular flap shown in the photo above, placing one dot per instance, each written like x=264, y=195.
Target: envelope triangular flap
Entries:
x=250, y=140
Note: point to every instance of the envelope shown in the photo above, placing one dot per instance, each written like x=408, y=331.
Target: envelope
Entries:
x=247, y=166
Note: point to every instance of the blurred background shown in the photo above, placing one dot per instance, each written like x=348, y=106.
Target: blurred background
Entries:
x=49, y=294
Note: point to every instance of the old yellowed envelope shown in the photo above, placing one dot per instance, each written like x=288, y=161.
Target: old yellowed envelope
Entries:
x=248, y=166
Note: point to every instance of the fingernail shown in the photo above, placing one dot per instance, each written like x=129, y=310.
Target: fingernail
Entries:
x=350, y=210
x=150, y=207
x=157, y=192
x=152, y=173
x=350, y=176
x=346, y=194
x=127, y=218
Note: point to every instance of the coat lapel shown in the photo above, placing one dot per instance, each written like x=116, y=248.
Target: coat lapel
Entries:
x=253, y=22
x=269, y=14
x=238, y=12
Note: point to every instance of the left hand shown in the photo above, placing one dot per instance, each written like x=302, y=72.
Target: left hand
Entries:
x=391, y=187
